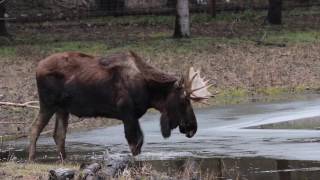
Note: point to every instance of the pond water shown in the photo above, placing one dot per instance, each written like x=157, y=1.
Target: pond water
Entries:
x=229, y=137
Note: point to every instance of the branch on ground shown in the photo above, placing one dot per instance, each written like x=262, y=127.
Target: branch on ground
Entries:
x=26, y=104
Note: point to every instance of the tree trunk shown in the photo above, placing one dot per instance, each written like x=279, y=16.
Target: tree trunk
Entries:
x=212, y=8
x=3, y=29
x=182, y=26
x=274, y=12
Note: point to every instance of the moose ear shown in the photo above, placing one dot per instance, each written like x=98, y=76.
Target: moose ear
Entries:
x=165, y=125
x=161, y=84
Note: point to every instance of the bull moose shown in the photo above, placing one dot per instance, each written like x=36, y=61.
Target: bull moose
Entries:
x=121, y=86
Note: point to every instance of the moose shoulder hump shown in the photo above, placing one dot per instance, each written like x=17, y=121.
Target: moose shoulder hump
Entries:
x=152, y=74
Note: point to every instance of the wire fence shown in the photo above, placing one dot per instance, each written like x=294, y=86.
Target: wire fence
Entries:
x=39, y=10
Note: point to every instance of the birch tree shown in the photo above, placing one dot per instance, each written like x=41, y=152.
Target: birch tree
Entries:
x=182, y=23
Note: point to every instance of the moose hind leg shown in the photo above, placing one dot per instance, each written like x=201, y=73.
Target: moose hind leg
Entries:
x=36, y=128
x=133, y=135
x=60, y=131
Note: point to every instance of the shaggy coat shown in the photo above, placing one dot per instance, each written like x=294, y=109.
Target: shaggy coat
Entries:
x=120, y=86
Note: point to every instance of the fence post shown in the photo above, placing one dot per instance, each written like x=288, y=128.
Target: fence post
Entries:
x=212, y=8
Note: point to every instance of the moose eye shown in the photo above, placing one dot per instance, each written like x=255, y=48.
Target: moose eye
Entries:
x=183, y=99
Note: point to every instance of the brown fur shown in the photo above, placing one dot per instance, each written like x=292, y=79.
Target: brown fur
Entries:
x=120, y=86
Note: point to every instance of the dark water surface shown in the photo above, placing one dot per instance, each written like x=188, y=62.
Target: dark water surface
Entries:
x=230, y=142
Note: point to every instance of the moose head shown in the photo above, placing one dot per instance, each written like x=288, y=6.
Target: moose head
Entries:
x=178, y=109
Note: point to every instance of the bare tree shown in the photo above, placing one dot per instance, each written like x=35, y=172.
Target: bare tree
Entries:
x=3, y=29
x=274, y=12
x=182, y=26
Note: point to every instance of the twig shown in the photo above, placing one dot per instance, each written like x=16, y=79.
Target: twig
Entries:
x=12, y=123
x=26, y=104
x=262, y=41
x=232, y=25
x=71, y=125
x=1, y=139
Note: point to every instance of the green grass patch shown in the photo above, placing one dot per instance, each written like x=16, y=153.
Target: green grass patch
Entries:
x=267, y=94
x=156, y=20
x=159, y=41
x=32, y=169
x=285, y=36
x=309, y=123
x=142, y=20
x=9, y=51
x=168, y=45
x=7, y=138
x=86, y=47
x=313, y=10
x=231, y=96
x=272, y=91
x=277, y=91
x=227, y=16
x=95, y=48
x=245, y=16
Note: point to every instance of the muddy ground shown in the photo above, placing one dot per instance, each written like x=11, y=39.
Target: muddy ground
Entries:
x=235, y=51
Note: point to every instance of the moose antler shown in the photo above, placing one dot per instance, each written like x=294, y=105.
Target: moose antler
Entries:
x=196, y=87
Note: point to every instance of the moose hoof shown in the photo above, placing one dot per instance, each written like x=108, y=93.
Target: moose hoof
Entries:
x=135, y=150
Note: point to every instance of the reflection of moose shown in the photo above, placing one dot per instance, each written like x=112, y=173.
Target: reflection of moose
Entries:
x=120, y=86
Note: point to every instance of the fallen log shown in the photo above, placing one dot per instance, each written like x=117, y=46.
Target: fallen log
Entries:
x=111, y=168
x=61, y=174
x=4, y=155
x=116, y=165
x=89, y=172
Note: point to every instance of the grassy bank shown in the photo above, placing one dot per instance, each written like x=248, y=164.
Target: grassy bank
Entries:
x=11, y=170
x=26, y=171
x=140, y=170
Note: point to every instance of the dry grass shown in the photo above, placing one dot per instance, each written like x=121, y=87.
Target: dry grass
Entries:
x=190, y=169
x=24, y=171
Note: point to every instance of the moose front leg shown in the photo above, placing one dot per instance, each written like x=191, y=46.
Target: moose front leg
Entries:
x=133, y=135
